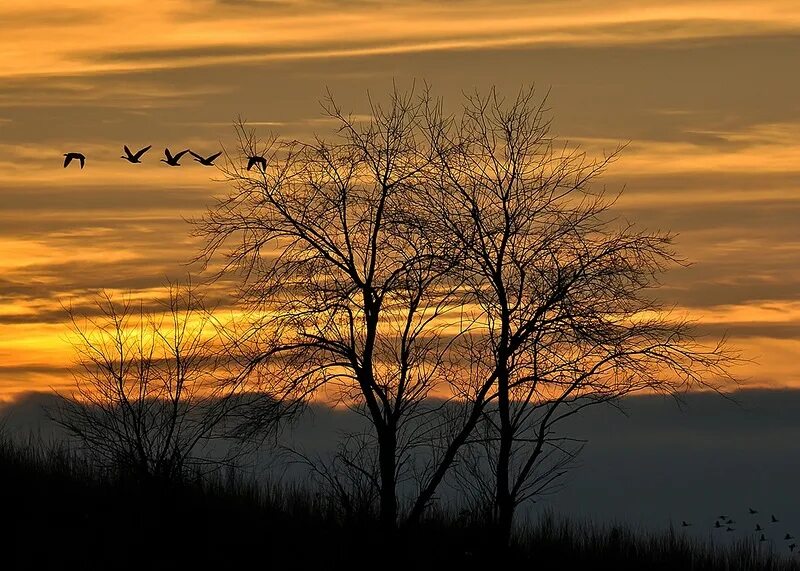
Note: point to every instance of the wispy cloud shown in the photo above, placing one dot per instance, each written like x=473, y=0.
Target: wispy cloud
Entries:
x=112, y=36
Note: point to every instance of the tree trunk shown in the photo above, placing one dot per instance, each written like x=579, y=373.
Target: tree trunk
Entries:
x=387, y=448
x=504, y=503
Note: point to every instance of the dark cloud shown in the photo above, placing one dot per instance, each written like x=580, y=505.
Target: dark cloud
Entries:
x=105, y=205
x=616, y=92
x=737, y=330
x=66, y=16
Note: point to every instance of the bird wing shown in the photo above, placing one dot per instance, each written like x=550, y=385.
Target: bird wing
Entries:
x=179, y=155
x=82, y=159
x=127, y=151
x=67, y=160
x=213, y=157
x=168, y=154
x=250, y=162
x=140, y=152
x=195, y=155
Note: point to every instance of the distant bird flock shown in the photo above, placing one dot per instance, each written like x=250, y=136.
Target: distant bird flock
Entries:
x=728, y=524
x=169, y=159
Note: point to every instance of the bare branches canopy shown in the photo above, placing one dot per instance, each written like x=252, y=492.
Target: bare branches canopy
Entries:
x=467, y=256
x=148, y=394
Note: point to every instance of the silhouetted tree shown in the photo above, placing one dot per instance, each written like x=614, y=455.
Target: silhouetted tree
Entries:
x=561, y=290
x=147, y=393
x=354, y=297
x=420, y=251
x=349, y=480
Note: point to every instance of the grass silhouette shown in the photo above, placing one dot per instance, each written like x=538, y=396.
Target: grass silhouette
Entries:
x=62, y=513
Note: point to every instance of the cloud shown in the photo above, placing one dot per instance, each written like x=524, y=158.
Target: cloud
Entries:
x=180, y=33
x=713, y=129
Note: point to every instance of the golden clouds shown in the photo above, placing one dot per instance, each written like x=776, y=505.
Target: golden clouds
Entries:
x=705, y=92
x=105, y=36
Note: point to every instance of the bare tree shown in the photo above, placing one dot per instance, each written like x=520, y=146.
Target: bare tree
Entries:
x=561, y=290
x=349, y=480
x=354, y=296
x=147, y=393
x=419, y=251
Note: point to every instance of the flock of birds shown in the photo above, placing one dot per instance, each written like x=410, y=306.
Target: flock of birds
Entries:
x=727, y=523
x=169, y=158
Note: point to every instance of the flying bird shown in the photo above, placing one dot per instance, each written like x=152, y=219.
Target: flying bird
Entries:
x=717, y=524
x=762, y=538
x=774, y=519
x=134, y=157
x=759, y=528
x=257, y=160
x=684, y=524
x=69, y=156
x=730, y=529
x=207, y=161
x=730, y=521
x=173, y=160
x=792, y=547
x=788, y=536
x=752, y=511
x=722, y=517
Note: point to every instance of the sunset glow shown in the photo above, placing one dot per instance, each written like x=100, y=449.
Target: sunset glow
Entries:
x=703, y=94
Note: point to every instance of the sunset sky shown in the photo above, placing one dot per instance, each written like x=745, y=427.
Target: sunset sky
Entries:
x=705, y=93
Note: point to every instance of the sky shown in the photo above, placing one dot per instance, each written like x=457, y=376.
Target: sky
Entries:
x=705, y=94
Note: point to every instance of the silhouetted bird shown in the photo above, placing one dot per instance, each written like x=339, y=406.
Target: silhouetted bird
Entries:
x=257, y=160
x=788, y=536
x=684, y=524
x=792, y=547
x=759, y=528
x=173, y=160
x=717, y=524
x=774, y=519
x=131, y=157
x=207, y=161
x=762, y=538
x=752, y=511
x=69, y=156
x=729, y=529
x=730, y=521
x=722, y=517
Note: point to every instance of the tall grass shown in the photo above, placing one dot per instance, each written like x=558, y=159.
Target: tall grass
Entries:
x=62, y=513
x=591, y=545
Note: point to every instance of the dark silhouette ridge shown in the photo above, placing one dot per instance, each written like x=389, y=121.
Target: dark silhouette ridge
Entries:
x=172, y=160
x=69, y=156
x=134, y=157
x=216, y=521
x=318, y=431
x=257, y=160
x=205, y=161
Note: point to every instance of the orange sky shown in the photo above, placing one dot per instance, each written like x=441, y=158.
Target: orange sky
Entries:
x=706, y=92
